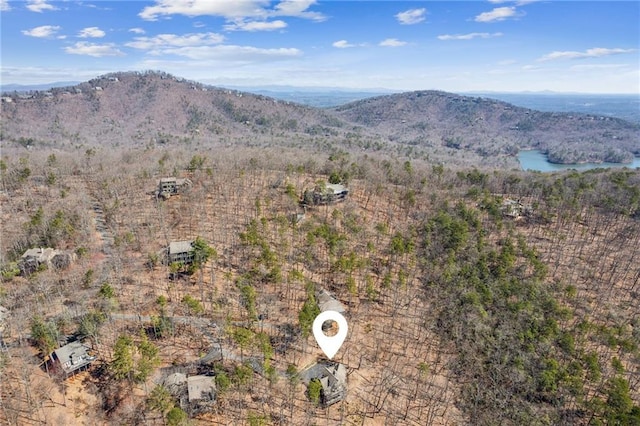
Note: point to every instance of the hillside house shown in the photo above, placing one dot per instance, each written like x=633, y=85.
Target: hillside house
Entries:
x=35, y=258
x=514, y=209
x=194, y=394
x=72, y=357
x=172, y=186
x=201, y=391
x=181, y=252
x=326, y=302
x=175, y=384
x=332, y=377
x=325, y=194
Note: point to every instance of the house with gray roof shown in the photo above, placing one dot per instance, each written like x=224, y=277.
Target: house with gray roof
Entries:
x=181, y=252
x=35, y=258
x=324, y=194
x=332, y=377
x=327, y=302
x=334, y=384
x=195, y=394
x=201, y=389
x=72, y=357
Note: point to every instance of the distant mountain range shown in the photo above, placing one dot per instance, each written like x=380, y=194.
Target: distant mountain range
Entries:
x=625, y=106
x=141, y=108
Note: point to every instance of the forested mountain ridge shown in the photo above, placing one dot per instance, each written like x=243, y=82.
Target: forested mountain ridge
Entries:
x=133, y=109
x=491, y=127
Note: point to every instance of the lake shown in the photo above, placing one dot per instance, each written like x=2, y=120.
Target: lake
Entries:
x=537, y=161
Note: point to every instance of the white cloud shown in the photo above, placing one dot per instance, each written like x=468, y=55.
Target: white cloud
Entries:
x=158, y=44
x=597, y=67
x=342, y=44
x=92, y=49
x=411, y=16
x=4, y=6
x=39, y=6
x=208, y=47
x=232, y=10
x=226, y=8
x=38, y=75
x=244, y=54
x=44, y=31
x=596, y=52
x=469, y=36
x=136, y=30
x=256, y=26
x=517, y=2
x=297, y=8
x=497, y=14
x=392, y=42
x=91, y=32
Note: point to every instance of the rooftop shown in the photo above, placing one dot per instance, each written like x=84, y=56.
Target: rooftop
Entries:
x=39, y=253
x=333, y=378
x=326, y=302
x=180, y=246
x=73, y=356
x=201, y=388
x=336, y=188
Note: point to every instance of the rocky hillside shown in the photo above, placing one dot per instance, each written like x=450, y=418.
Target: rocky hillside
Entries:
x=134, y=108
x=491, y=127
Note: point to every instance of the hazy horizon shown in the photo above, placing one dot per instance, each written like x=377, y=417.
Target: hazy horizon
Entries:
x=8, y=87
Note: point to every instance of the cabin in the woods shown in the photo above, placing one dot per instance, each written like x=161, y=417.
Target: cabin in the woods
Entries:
x=172, y=186
x=333, y=379
x=324, y=194
x=35, y=258
x=72, y=357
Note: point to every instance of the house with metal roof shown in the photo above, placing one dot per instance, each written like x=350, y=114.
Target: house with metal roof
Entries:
x=72, y=357
x=181, y=252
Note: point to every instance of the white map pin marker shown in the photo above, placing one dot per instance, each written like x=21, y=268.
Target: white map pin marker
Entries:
x=330, y=345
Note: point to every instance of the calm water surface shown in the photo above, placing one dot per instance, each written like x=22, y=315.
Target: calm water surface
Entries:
x=535, y=160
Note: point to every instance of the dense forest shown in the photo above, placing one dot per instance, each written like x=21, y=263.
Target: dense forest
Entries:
x=473, y=295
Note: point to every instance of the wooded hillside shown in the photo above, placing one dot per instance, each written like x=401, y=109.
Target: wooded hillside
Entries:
x=494, y=128
x=473, y=296
x=155, y=108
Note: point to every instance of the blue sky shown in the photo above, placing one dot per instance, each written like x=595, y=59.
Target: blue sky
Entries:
x=456, y=46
